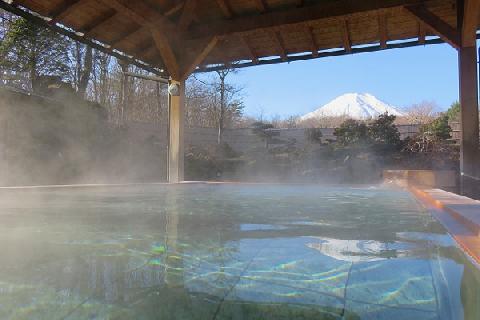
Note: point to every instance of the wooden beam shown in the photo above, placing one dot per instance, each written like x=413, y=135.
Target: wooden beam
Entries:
x=176, y=7
x=324, y=54
x=176, y=121
x=347, y=44
x=64, y=10
x=198, y=55
x=261, y=6
x=437, y=25
x=145, y=46
x=471, y=10
x=132, y=34
x=92, y=26
x=278, y=40
x=39, y=21
x=187, y=15
x=311, y=39
x=382, y=29
x=226, y=8
x=469, y=146
x=166, y=51
x=285, y=17
x=422, y=33
x=149, y=18
x=249, y=48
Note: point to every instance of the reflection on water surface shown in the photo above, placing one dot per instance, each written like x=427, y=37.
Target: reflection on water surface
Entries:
x=228, y=252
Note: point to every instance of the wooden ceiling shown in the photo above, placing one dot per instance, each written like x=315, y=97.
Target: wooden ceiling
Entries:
x=181, y=36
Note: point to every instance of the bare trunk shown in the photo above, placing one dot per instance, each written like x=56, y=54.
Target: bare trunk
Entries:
x=85, y=73
x=222, y=108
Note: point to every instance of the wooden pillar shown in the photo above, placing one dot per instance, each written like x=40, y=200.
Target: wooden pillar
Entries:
x=469, y=148
x=176, y=116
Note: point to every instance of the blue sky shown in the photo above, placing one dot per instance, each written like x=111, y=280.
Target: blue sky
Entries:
x=400, y=77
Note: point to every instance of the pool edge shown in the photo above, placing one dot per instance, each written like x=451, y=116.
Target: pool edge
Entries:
x=453, y=221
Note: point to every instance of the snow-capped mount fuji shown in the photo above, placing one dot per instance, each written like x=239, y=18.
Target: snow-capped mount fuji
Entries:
x=359, y=106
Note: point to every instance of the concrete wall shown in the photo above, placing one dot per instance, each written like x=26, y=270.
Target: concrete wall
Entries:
x=239, y=139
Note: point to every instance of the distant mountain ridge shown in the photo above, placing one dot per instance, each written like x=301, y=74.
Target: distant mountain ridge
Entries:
x=359, y=106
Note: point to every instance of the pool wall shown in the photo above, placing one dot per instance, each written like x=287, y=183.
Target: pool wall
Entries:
x=458, y=214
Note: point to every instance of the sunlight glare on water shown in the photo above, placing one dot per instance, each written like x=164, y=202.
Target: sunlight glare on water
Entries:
x=228, y=252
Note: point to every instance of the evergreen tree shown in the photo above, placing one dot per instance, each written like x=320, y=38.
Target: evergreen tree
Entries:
x=35, y=51
x=453, y=113
x=351, y=132
x=383, y=130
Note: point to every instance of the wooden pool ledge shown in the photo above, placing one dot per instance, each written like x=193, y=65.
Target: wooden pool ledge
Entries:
x=460, y=216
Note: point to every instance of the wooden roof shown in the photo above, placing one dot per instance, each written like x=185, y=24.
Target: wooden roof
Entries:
x=182, y=35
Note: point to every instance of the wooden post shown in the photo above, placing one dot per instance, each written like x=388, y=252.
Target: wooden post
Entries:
x=176, y=116
x=469, y=148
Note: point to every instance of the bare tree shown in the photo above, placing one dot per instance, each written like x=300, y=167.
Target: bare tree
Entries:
x=421, y=113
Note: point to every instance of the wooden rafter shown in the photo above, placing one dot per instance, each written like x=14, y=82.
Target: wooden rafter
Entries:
x=226, y=8
x=347, y=44
x=146, y=45
x=187, y=15
x=131, y=34
x=190, y=62
x=90, y=27
x=422, y=33
x=382, y=29
x=249, y=48
x=311, y=39
x=166, y=51
x=437, y=25
x=471, y=9
x=272, y=19
x=153, y=20
x=174, y=8
x=279, y=43
x=261, y=6
x=65, y=9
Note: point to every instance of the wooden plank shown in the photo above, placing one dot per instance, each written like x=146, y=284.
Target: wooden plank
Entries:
x=249, y=48
x=437, y=25
x=92, y=26
x=176, y=7
x=132, y=34
x=154, y=19
x=471, y=11
x=127, y=12
x=65, y=9
x=382, y=29
x=323, y=10
x=278, y=40
x=311, y=38
x=187, y=15
x=347, y=44
x=226, y=8
x=261, y=5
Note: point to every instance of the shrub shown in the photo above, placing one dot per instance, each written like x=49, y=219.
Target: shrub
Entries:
x=439, y=128
x=351, y=131
x=384, y=131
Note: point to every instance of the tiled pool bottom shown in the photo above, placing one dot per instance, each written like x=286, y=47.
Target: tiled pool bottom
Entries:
x=228, y=252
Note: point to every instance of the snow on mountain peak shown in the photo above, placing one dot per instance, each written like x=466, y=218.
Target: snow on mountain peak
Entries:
x=359, y=106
